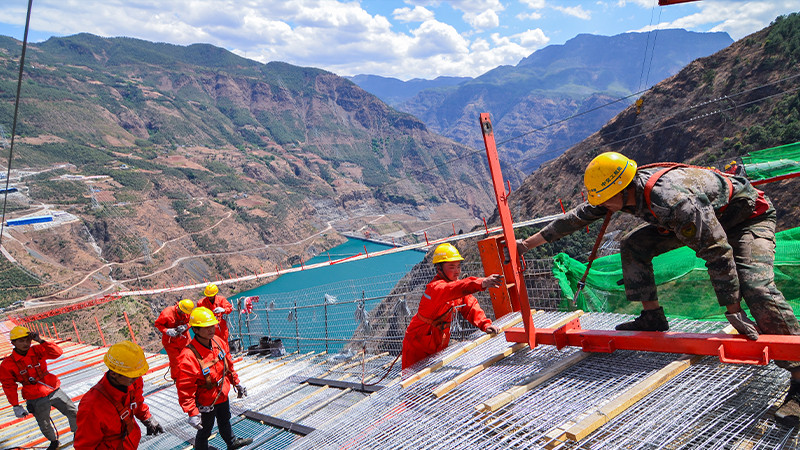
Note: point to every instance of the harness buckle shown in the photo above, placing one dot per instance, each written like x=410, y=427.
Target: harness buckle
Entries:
x=205, y=409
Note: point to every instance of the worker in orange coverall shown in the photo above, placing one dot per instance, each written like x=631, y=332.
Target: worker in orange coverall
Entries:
x=205, y=377
x=220, y=306
x=173, y=323
x=429, y=330
x=27, y=365
x=106, y=413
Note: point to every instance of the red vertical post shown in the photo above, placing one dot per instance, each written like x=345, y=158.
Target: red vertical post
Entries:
x=133, y=337
x=103, y=338
x=365, y=251
x=516, y=287
x=55, y=331
x=563, y=211
x=426, y=237
x=454, y=228
x=77, y=336
x=486, y=227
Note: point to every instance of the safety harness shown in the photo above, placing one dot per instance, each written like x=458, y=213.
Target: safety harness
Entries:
x=35, y=366
x=124, y=410
x=206, y=370
x=761, y=203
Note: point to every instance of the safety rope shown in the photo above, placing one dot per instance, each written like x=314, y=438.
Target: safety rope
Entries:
x=16, y=113
x=582, y=283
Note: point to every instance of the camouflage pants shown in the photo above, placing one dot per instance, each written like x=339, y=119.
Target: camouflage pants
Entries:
x=753, y=243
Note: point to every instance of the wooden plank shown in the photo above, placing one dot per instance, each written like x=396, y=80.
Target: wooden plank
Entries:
x=632, y=395
x=441, y=363
x=504, y=398
x=463, y=377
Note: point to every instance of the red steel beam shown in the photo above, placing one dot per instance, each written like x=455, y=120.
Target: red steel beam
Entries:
x=735, y=349
x=516, y=287
x=673, y=2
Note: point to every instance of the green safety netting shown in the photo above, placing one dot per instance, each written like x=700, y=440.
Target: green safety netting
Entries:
x=684, y=288
x=772, y=163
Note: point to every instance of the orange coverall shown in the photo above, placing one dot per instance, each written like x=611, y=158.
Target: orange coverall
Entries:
x=191, y=384
x=429, y=330
x=219, y=301
x=35, y=365
x=106, y=417
x=172, y=317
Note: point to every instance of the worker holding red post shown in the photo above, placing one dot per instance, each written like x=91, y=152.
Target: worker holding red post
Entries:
x=27, y=365
x=173, y=323
x=722, y=217
x=220, y=306
x=429, y=330
x=205, y=377
x=106, y=413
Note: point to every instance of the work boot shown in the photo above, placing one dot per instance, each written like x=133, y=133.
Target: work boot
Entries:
x=53, y=445
x=239, y=443
x=649, y=320
x=789, y=412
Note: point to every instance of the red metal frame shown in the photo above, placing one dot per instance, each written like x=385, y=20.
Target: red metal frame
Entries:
x=729, y=348
x=673, y=2
x=64, y=309
x=516, y=287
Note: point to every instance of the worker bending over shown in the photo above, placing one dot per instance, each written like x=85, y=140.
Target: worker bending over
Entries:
x=429, y=330
x=27, y=365
x=220, y=306
x=205, y=377
x=173, y=323
x=106, y=413
x=723, y=218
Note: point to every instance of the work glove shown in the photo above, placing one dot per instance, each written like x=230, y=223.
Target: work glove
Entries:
x=743, y=324
x=521, y=247
x=195, y=422
x=172, y=332
x=219, y=310
x=20, y=412
x=241, y=391
x=181, y=328
x=153, y=427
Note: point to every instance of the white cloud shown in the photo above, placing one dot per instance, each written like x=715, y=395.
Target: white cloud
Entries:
x=483, y=21
x=529, y=16
x=642, y=3
x=737, y=18
x=534, y=4
x=418, y=14
x=532, y=38
x=575, y=11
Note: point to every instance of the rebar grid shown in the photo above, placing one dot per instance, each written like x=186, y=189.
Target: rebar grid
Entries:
x=414, y=418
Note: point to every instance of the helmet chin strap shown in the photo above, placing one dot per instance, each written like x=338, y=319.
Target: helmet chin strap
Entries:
x=440, y=270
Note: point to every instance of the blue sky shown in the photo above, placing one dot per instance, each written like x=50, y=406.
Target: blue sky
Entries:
x=395, y=38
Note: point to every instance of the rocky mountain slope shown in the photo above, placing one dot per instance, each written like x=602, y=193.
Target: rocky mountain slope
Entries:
x=587, y=73
x=168, y=165
x=744, y=98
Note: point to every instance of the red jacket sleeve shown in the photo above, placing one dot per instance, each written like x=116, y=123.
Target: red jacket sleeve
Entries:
x=165, y=320
x=474, y=313
x=91, y=430
x=225, y=304
x=445, y=291
x=8, y=381
x=47, y=350
x=232, y=376
x=142, y=410
x=186, y=384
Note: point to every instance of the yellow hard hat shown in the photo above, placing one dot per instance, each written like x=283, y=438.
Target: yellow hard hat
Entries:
x=18, y=332
x=607, y=175
x=445, y=253
x=210, y=290
x=126, y=359
x=202, y=317
x=186, y=306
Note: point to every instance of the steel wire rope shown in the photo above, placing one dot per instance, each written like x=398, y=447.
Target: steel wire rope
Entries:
x=16, y=113
x=653, y=50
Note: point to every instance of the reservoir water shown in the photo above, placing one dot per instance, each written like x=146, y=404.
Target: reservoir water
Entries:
x=317, y=309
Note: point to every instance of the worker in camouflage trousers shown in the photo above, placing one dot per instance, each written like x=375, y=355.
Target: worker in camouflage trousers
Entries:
x=723, y=218
x=27, y=365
